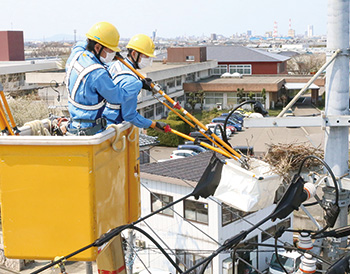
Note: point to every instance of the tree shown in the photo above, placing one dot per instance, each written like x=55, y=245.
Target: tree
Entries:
x=251, y=95
x=263, y=93
x=195, y=98
x=306, y=63
x=240, y=95
x=201, y=97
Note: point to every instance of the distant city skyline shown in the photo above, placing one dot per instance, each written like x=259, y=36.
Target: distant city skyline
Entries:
x=41, y=18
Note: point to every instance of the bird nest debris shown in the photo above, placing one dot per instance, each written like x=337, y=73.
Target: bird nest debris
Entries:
x=286, y=158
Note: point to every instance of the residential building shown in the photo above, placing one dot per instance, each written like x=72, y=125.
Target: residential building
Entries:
x=192, y=229
x=246, y=61
x=228, y=91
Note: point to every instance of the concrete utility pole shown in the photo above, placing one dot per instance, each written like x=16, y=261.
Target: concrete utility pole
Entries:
x=337, y=99
x=130, y=252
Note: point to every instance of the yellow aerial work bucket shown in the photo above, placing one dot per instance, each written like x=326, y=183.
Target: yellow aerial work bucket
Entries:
x=59, y=194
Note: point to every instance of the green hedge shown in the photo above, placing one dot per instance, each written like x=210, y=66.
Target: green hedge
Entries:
x=169, y=139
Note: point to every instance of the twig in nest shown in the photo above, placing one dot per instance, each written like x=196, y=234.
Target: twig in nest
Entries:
x=286, y=158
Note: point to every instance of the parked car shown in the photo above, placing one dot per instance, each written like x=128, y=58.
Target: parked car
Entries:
x=288, y=113
x=177, y=154
x=231, y=122
x=237, y=116
x=200, y=137
x=215, y=127
x=246, y=150
x=289, y=260
x=192, y=147
x=230, y=127
x=243, y=112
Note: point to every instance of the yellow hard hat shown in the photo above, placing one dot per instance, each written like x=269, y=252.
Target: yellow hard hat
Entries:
x=143, y=44
x=105, y=34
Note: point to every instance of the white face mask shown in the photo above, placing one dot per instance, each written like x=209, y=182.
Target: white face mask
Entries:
x=109, y=57
x=145, y=62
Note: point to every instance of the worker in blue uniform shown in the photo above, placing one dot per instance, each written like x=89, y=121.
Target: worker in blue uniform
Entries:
x=90, y=86
x=140, y=54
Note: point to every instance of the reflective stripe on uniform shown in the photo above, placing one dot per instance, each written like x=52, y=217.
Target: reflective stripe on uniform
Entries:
x=82, y=74
x=117, y=70
x=87, y=107
x=113, y=106
x=70, y=67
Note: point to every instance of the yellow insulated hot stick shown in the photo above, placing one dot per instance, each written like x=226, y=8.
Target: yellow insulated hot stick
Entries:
x=192, y=125
x=186, y=113
x=6, y=105
x=168, y=129
x=4, y=123
x=3, y=120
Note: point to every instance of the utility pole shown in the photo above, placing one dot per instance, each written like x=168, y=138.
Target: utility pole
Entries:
x=130, y=252
x=337, y=101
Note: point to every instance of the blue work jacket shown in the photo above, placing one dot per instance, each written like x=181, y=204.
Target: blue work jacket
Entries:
x=90, y=87
x=129, y=86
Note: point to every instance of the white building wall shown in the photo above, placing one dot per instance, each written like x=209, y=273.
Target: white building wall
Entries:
x=180, y=234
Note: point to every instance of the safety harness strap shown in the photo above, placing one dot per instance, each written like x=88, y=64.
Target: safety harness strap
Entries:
x=98, y=125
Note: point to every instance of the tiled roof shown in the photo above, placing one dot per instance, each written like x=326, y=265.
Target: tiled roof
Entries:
x=242, y=54
x=146, y=140
x=189, y=168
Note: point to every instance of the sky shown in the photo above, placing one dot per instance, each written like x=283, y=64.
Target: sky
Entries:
x=46, y=18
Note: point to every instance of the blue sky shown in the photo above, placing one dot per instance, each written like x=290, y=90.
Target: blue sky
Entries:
x=45, y=18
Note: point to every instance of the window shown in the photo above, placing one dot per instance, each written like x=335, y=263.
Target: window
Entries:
x=178, y=81
x=144, y=157
x=159, y=109
x=232, y=99
x=160, y=200
x=196, y=211
x=285, y=223
x=242, y=69
x=171, y=82
x=212, y=98
x=270, y=232
x=249, y=253
x=190, y=259
x=230, y=214
x=190, y=77
x=190, y=58
x=219, y=70
x=148, y=112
